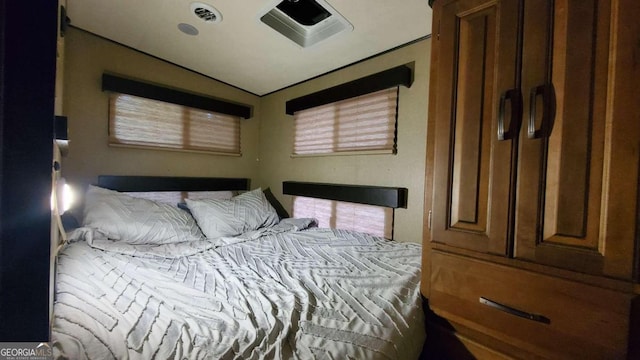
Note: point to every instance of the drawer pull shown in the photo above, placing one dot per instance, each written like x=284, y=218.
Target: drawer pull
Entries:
x=516, y=312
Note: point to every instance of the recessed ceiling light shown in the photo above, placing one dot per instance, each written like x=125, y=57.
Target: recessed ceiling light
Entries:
x=206, y=12
x=188, y=29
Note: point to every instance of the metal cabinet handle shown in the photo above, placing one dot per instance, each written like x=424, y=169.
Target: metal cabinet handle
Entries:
x=514, y=311
x=515, y=97
x=548, y=111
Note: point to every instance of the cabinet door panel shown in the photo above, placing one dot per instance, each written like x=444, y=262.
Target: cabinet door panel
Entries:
x=472, y=168
x=569, y=159
x=561, y=168
x=468, y=187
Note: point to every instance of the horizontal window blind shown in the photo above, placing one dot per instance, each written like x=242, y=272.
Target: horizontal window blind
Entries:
x=175, y=197
x=363, y=123
x=138, y=121
x=370, y=219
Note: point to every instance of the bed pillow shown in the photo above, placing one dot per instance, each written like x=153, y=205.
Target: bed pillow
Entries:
x=137, y=221
x=245, y=212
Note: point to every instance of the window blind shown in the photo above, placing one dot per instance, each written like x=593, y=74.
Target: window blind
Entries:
x=175, y=197
x=363, y=123
x=370, y=219
x=138, y=121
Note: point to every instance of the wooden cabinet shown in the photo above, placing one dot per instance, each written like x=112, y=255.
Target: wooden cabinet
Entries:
x=525, y=134
x=538, y=314
x=535, y=120
x=473, y=169
x=563, y=194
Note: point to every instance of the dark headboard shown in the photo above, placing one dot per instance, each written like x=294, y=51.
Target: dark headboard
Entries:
x=393, y=197
x=170, y=183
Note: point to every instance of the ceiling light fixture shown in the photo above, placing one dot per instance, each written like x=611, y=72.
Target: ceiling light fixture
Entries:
x=188, y=29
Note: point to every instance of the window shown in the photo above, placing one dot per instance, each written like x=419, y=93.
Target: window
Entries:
x=176, y=197
x=362, y=123
x=374, y=220
x=359, y=115
x=138, y=121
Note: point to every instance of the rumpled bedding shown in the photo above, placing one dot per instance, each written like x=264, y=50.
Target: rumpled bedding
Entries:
x=283, y=292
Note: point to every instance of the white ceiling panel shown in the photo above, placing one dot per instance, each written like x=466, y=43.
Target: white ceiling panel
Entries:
x=241, y=50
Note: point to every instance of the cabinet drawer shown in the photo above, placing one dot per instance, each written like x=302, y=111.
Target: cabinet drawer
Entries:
x=542, y=315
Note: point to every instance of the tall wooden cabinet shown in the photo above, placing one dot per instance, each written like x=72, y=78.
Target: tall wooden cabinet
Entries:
x=535, y=114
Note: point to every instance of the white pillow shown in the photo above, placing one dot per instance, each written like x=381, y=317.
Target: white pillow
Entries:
x=245, y=212
x=137, y=221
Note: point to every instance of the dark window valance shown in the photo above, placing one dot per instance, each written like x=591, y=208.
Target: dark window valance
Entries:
x=170, y=183
x=400, y=75
x=393, y=197
x=156, y=92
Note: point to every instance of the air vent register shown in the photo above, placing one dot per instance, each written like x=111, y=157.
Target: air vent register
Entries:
x=305, y=22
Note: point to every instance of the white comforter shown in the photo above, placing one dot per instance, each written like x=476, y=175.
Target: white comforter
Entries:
x=312, y=294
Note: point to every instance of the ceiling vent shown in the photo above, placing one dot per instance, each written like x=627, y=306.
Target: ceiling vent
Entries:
x=305, y=22
x=205, y=12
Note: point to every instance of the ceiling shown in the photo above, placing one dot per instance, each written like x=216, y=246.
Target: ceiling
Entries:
x=242, y=51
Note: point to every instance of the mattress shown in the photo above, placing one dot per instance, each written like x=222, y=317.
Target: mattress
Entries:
x=281, y=293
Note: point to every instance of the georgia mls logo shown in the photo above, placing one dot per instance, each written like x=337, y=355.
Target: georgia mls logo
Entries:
x=26, y=351
x=43, y=349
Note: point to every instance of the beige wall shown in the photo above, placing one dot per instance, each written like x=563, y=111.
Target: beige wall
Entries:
x=406, y=169
x=87, y=57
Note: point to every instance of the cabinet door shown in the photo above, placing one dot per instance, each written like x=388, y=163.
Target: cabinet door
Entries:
x=564, y=152
x=476, y=42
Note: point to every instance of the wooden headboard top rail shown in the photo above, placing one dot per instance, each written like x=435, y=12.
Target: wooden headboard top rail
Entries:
x=170, y=183
x=393, y=197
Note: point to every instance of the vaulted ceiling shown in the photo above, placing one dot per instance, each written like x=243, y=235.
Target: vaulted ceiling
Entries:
x=240, y=49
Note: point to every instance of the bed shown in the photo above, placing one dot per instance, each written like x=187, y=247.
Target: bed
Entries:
x=228, y=279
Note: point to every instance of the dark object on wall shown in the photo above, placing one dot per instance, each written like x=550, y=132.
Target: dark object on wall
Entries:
x=400, y=75
x=393, y=197
x=60, y=131
x=170, y=183
x=161, y=93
